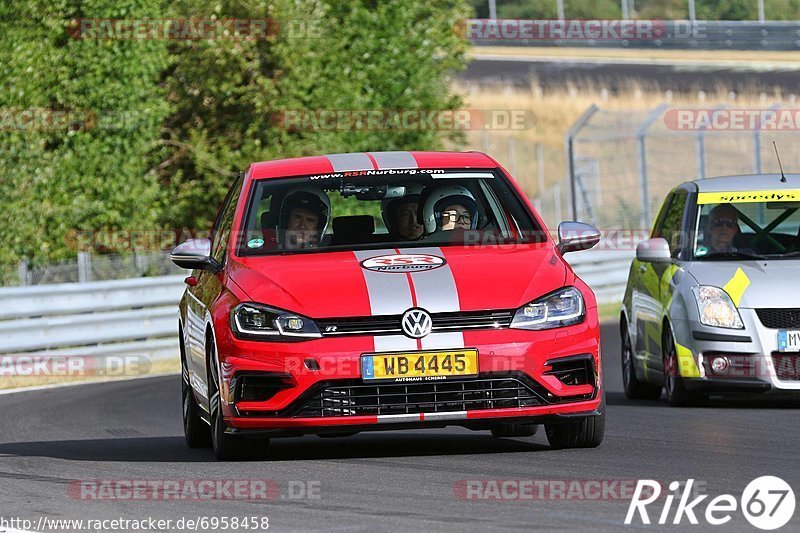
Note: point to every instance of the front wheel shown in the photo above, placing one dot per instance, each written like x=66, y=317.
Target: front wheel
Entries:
x=677, y=394
x=227, y=447
x=195, y=430
x=584, y=433
x=633, y=387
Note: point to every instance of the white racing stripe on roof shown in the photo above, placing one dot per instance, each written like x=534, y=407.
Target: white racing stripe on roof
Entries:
x=394, y=160
x=344, y=162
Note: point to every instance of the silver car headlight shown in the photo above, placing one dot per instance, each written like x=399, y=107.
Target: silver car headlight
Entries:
x=561, y=308
x=716, y=308
x=260, y=322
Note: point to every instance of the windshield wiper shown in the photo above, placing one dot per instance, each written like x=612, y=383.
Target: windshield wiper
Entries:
x=795, y=253
x=730, y=255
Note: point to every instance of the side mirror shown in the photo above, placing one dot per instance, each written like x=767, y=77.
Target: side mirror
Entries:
x=195, y=254
x=653, y=251
x=575, y=236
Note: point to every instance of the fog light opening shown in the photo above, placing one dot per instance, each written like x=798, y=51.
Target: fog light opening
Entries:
x=720, y=365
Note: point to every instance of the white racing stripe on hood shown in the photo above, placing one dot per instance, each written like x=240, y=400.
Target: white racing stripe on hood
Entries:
x=436, y=292
x=435, y=289
x=394, y=343
x=394, y=160
x=389, y=294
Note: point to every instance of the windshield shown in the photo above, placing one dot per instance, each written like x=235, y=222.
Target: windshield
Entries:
x=751, y=229
x=384, y=209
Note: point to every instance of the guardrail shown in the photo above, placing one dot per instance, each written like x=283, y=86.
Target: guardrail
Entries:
x=139, y=316
x=131, y=317
x=605, y=271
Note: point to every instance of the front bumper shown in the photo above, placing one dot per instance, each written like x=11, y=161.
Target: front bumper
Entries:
x=475, y=420
x=756, y=365
x=302, y=371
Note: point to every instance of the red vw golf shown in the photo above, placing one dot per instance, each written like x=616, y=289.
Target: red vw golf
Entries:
x=385, y=290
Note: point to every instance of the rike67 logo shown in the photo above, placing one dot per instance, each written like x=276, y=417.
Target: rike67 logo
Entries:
x=767, y=502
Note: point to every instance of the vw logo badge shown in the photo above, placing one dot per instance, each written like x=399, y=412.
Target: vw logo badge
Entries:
x=416, y=323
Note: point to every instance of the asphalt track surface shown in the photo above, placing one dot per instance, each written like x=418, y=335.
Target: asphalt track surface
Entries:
x=617, y=77
x=383, y=481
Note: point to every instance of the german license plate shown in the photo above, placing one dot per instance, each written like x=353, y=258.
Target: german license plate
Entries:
x=789, y=340
x=419, y=366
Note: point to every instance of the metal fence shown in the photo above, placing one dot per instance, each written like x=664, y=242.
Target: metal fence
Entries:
x=621, y=164
x=688, y=35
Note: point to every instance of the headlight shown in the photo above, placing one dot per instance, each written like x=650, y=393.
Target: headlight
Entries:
x=249, y=320
x=716, y=308
x=561, y=308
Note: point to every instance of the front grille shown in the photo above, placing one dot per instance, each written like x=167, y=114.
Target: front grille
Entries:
x=354, y=397
x=390, y=324
x=779, y=318
x=787, y=366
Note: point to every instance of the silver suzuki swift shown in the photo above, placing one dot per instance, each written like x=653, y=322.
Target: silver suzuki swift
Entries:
x=712, y=304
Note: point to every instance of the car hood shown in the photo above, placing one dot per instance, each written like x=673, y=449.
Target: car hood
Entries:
x=756, y=284
x=339, y=284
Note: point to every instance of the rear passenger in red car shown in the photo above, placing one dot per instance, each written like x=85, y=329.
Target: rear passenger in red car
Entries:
x=402, y=214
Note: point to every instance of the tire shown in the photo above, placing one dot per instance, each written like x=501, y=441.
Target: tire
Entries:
x=515, y=430
x=633, y=387
x=585, y=433
x=195, y=430
x=227, y=447
x=677, y=395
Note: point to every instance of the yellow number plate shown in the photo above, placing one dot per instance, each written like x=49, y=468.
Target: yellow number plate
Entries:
x=419, y=366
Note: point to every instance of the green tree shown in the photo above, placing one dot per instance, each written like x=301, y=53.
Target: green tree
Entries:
x=96, y=173
x=163, y=125
x=338, y=55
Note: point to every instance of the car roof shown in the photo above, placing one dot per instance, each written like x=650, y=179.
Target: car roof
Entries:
x=369, y=161
x=747, y=182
